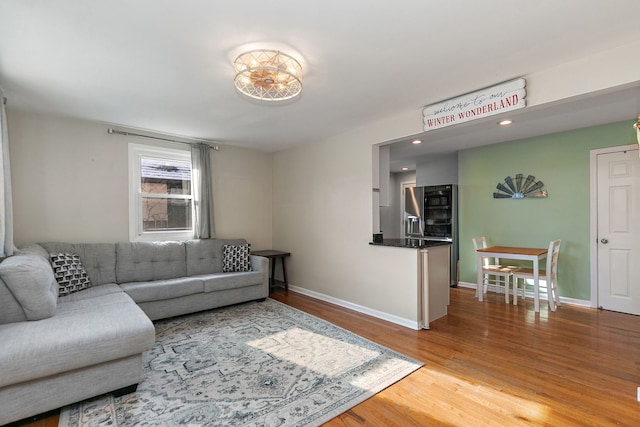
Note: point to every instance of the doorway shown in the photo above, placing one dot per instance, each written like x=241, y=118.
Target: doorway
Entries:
x=403, y=216
x=615, y=229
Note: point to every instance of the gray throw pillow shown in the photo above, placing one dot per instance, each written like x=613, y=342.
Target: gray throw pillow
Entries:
x=69, y=273
x=236, y=258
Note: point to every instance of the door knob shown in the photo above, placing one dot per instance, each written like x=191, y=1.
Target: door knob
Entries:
x=604, y=241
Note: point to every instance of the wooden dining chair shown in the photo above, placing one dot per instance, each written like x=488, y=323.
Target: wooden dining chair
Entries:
x=549, y=276
x=493, y=272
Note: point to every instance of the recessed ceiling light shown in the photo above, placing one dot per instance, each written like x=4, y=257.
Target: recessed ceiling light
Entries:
x=416, y=141
x=405, y=168
x=505, y=122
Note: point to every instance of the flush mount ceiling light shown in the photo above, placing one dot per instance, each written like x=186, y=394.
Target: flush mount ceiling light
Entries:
x=268, y=75
x=505, y=122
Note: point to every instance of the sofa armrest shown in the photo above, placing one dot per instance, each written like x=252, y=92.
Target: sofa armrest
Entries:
x=260, y=263
x=28, y=277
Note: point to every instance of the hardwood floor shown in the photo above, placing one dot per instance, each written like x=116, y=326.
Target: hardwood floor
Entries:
x=488, y=363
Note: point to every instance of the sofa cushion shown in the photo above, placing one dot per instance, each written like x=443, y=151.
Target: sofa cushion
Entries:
x=34, y=249
x=222, y=281
x=92, y=292
x=236, y=258
x=82, y=333
x=98, y=259
x=69, y=273
x=146, y=261
x=163, y=289
x=30, y=280
x=205, y=256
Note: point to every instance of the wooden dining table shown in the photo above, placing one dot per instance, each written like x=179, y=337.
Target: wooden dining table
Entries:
x=535, y=255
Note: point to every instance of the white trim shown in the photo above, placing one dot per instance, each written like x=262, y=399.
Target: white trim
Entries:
x=403, y=186
x=400, y=320
x=411, y=324
x=563, y=300
x=136, y=151
x=467, y=285
x=593, y=227
x=579, y=302
x=593, y=209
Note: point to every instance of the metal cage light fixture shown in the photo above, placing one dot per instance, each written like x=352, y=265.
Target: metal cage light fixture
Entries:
x=268, y=75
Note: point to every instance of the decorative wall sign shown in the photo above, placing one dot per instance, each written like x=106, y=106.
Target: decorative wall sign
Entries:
x=486, y=102
x=530, y=188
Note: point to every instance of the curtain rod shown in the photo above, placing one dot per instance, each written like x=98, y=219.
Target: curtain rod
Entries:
x=112, y=131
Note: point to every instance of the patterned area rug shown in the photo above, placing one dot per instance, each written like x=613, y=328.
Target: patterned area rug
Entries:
x=251, y=365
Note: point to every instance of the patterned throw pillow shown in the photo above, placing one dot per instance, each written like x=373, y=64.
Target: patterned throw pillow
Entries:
x=236, y=258
x=69, y=273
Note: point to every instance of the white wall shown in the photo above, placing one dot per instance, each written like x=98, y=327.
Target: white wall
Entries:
x=606, y=70
x=70, y=183
x=243, y=195
x=323, y=199
x=391, y=216
x=322, y=215
x=438, y=169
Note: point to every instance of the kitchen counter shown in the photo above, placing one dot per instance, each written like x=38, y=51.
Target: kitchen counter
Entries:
x=433, y=275
x=411, y=243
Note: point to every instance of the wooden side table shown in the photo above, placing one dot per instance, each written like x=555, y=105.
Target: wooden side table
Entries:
x=274, y=256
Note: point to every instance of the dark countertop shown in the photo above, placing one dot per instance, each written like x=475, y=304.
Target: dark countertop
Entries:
x=410, y=243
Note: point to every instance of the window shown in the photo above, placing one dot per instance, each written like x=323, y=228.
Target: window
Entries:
x=161, y=199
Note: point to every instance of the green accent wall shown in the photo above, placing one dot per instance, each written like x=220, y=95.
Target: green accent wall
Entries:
x=561, y=162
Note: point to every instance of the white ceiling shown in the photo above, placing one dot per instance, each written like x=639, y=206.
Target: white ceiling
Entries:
x=166, y=65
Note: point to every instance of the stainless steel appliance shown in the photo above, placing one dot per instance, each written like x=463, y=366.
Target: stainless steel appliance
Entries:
x=431, y=213
x=414, y=212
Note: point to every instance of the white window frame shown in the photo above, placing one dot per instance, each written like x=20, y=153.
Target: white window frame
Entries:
x=136, y=152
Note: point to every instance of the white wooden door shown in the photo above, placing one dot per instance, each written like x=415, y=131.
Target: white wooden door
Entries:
x=618, y=236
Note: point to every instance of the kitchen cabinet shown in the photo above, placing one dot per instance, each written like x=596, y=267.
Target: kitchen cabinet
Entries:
x=433, y=283
x=433, y=276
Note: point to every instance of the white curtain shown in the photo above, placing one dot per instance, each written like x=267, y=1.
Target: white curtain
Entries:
x=6, y=205
x=203, y=227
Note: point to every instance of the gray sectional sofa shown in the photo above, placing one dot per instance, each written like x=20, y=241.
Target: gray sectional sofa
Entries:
x=56, y=350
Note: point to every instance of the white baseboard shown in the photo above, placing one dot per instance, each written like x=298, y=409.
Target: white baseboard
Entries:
x=578, y=302
x=563, y=300
x=466, y=285
x=359, y=308
x=400, y=320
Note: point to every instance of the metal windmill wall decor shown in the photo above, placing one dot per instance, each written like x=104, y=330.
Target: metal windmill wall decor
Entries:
x=517, y=189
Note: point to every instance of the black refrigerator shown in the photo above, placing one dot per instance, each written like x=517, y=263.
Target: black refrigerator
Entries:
x=441, y=220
